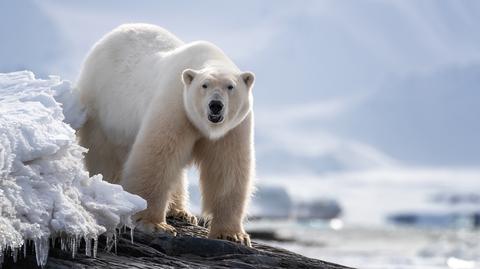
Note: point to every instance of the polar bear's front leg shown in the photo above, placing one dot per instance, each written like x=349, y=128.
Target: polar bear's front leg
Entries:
x=179, y=202
x=226, y=170
x=153, y=169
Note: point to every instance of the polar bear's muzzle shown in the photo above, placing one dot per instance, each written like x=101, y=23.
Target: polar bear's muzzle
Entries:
x=215, y=113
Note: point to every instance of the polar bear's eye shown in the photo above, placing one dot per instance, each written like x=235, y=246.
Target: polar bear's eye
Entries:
x=204, y=86
x=230, y=87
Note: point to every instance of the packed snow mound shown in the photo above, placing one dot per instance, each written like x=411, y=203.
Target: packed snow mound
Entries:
x=45, y=190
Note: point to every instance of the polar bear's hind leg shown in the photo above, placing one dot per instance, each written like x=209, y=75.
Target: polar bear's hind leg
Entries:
x=103, y=157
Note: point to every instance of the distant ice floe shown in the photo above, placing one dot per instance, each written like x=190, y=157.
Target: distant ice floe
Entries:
x=457, y=210
x=272, y=202
x=324, y=209
x=45, y=191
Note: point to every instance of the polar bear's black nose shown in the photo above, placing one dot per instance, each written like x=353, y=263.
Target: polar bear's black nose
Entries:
x=215, y=107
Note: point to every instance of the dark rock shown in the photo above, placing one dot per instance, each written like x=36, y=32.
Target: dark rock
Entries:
x=268, y=235
x=189, y=249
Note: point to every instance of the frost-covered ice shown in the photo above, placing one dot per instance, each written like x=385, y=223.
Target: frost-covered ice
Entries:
x=45, y=190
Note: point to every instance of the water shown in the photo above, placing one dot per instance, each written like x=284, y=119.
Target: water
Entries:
x=382, y=247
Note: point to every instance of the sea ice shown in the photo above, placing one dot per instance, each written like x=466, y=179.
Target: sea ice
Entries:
x=45, y=191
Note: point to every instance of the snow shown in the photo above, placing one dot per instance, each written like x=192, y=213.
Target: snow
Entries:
x=45, y=191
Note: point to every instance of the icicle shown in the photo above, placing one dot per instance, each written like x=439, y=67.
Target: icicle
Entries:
x=108, y=242
x=95, y=246
x=15, y=254
x=73, y=247
x=25, y=245
x=1, y=256
x=115, y=240
x=88, y=246
x=77, y=242
x=54, y=238
x=131, y=234
x=41, y=250
x=63, y=245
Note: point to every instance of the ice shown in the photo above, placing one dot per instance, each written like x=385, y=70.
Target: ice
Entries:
x=108, y=243
x=45, y=191
x=63, y=244
x=115, y=241
x=95, y=247
x=271, y=202
x=88, y=247
x=131, y=234
x=41, y=250
x=73, y=246
x=15, y=254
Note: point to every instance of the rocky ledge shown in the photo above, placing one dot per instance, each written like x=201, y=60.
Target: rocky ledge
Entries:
x=189, y=249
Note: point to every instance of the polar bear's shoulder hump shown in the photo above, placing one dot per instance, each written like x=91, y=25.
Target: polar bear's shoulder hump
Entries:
x=141, y=36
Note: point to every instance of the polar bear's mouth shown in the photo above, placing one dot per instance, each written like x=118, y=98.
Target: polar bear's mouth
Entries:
x=215, y=118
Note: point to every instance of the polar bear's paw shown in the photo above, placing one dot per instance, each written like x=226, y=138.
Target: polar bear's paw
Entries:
x=239, y=237
x=150, y=227
x=182, y=215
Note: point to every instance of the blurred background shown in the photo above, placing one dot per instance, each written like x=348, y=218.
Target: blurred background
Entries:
x=367, y=113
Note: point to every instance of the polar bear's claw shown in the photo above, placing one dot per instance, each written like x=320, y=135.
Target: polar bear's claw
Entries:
x=161, y=227
x=241, y=238
x=165, y=228
x=183, y=215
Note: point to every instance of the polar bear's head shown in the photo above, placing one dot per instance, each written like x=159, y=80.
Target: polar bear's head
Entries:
x=216, y=100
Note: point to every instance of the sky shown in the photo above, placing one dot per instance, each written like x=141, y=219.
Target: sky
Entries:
x=341, y=86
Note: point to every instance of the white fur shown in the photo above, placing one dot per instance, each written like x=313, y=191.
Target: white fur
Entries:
x=147, y=121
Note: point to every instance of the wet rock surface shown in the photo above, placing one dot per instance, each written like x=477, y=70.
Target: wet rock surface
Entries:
x=189, y=249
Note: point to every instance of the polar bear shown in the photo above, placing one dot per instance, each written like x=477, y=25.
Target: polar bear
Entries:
x=156, y=105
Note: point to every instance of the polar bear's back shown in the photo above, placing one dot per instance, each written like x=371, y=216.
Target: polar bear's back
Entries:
x=114, y=81
x=129, y=41
x=150, y=38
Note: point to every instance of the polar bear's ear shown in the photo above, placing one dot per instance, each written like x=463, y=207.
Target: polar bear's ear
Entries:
x=187, y=76
x=248, y=78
